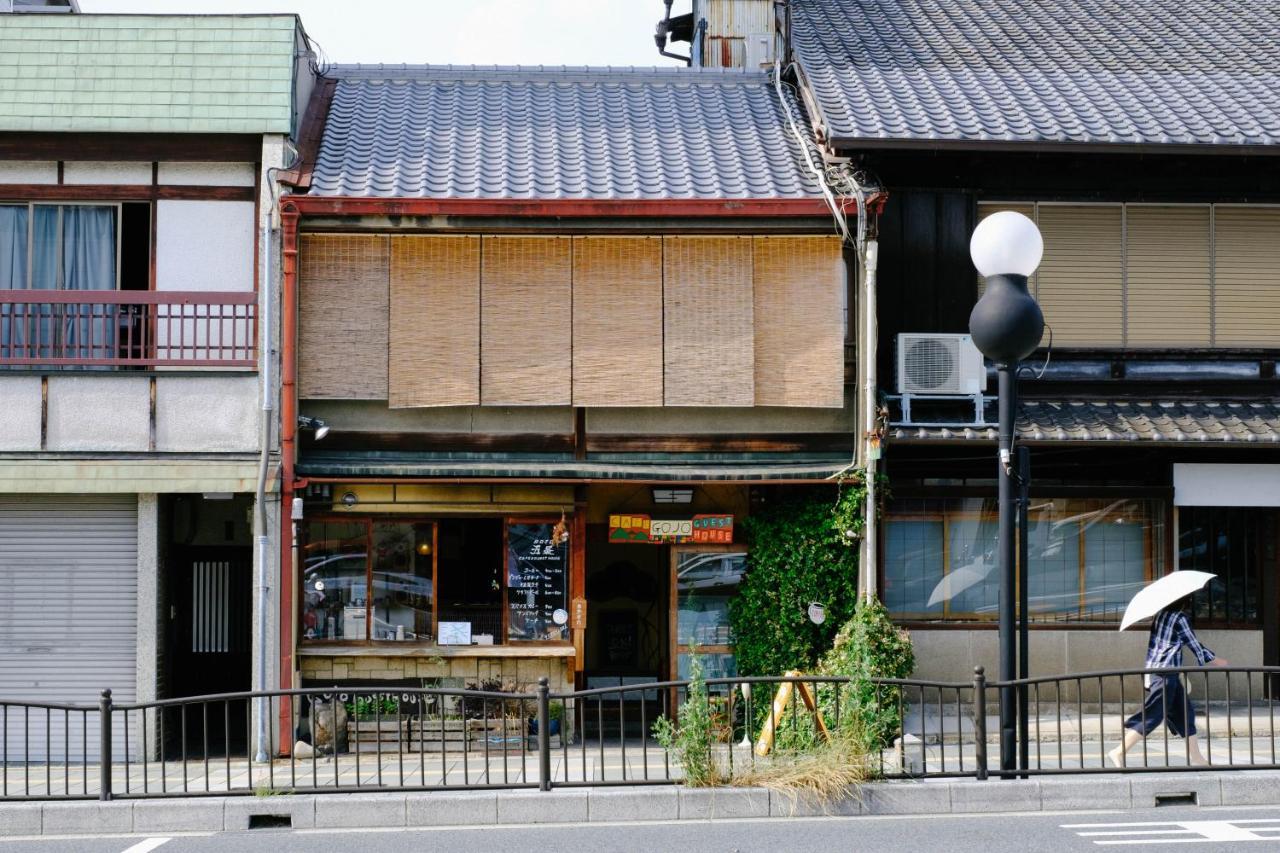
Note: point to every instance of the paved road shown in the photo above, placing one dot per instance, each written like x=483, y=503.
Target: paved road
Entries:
x=1193, y=829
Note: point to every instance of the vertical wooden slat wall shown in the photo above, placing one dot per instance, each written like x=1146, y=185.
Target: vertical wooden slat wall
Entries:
x=435, y=321
x=985, y=209
x=1246, y=276
x=799, y=321
x=342, y=338
x=1081, y=279
x=617, y=321
x=526, y=314
x=708, y=318
x=1168, y=266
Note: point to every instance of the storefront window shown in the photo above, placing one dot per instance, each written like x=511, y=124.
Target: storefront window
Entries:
x=1238, y=545
x=1086, y=558
x=403, y=556
x=335, y=581
x=442, y=582
x=706, y=581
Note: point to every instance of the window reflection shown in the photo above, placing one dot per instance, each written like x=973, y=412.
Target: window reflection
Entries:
x=334, y=583
x=403, y=554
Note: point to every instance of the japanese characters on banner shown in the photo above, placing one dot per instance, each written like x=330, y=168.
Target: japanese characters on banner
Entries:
x=632, y=527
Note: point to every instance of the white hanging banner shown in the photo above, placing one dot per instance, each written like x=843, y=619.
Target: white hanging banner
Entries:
x=1204, y=484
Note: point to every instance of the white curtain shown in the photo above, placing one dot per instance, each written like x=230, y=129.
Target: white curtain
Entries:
x=13, y=272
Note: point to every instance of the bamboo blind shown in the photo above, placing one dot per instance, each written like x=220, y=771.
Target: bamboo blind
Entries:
x=526, y=310
x=617, y=321
x=342, y=340
x=1246, y=276
x=986, y=209
x=709, y=348
x=1168, y=275
x=435, y=321
x=799, y=321
x=1081, y=279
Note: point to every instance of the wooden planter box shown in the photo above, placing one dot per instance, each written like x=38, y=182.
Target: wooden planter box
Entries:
x=375, y=735
x=431, y=736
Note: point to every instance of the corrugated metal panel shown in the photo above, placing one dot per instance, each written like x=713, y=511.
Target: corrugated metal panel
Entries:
x=799, y=324
x=617, y=321
x=526, y=310
x=1246, y=276
x=709, y=352
x=735, y=17
x=68, y=613
x=1168, y=275
x=1081, y=279
x=342, y=325
x=435, y=322
x=725, y=52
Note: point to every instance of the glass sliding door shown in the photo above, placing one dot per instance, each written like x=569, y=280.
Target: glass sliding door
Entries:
x=704, y=580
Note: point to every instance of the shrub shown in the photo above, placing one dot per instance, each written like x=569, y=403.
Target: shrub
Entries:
x=868, y=647
x=692, y=736
x=802, y=548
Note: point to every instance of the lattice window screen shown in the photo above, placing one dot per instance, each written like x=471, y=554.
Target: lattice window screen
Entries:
x=525, y=321
x=799, y=321
x=342, y=339
x=435, y=321
x=617, y=321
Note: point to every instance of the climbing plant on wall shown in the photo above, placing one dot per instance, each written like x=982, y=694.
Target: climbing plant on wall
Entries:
x=803, y=548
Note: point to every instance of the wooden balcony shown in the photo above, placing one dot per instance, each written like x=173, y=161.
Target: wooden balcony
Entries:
x=140, y=329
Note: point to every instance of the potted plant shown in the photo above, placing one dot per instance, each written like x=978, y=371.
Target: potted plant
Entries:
x=555, y=714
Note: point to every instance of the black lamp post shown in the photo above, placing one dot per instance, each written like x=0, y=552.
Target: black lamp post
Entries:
x=1006, y=326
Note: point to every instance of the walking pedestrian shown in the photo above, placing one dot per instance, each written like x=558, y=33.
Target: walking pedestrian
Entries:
x=1166, y=700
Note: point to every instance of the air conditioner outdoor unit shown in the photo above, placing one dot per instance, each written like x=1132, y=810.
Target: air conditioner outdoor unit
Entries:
x=941, y=364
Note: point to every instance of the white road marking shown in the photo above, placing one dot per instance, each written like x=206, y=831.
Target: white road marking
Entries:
x=1189, y=831
x=147, y=845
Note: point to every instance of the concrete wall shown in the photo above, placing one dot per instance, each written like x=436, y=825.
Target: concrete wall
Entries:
x=208, y=414
x=206, y=174
x=19, y=413
x=110, y=172
x=29, y=172
x=99, y=413
x=951, y=654
x=149, y=617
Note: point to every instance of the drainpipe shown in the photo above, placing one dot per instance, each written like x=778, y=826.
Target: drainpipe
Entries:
x=871, y=406
x=288, y=427
x=262, y=540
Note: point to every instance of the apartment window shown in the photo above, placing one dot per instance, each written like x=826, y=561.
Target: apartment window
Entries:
x=451, y=581
x=1157, y=275
x=1086, y=558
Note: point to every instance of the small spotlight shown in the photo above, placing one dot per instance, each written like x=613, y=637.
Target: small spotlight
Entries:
x=321, y=428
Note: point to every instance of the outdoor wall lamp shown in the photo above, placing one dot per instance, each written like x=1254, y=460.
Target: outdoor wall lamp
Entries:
x=321, y=428
x=1006, y=326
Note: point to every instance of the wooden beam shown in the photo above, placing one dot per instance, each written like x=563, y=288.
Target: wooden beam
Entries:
x=144, y=147
x=122, y=192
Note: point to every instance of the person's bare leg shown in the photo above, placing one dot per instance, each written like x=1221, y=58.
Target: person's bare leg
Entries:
x=1193, y=749
x=1117, y=755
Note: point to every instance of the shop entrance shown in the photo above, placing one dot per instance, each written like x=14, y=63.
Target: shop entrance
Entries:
x=207, y=608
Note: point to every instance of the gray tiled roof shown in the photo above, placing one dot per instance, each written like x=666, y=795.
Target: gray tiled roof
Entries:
x=1145, y=72
x=557, y=133
x=1175, y=422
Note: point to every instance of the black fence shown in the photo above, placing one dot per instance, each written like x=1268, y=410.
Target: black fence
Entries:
x=380, y=738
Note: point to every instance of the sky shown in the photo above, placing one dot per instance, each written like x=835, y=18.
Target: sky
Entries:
x=480, y=32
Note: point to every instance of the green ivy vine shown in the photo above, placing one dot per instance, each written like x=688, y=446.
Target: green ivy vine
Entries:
x=803, y=548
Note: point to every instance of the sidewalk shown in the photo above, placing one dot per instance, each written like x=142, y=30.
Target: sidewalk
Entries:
x=1109, y=792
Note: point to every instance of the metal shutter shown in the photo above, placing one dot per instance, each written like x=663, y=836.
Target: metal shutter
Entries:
x=68, y=613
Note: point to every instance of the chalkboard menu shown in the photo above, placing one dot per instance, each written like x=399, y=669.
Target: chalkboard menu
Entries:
x=537, y=578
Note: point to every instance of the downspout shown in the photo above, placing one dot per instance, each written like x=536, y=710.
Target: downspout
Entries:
x=288, y=428
x=262, y=539
x=871, y=450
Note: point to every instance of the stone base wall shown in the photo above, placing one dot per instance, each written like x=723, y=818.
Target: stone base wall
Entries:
x=519, y=673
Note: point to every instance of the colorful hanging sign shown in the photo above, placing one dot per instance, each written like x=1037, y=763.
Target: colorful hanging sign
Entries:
x=700, y=529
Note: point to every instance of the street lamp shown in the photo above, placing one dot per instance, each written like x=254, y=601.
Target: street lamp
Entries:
x=1006, y=326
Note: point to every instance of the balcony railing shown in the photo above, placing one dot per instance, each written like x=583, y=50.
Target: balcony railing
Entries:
x=42, y=328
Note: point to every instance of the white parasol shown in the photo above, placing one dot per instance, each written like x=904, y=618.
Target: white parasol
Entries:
x=1162, y=592
x=958, y=580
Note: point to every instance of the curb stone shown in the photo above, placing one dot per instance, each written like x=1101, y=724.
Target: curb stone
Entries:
x=1096, y=792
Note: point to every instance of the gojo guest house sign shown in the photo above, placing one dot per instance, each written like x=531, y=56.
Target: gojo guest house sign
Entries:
x=699, y=529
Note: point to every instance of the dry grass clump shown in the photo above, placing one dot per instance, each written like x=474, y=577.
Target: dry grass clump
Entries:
x=819, y=777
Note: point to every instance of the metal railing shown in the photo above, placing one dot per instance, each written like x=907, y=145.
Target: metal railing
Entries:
x=127, y=328
x=346, y=739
